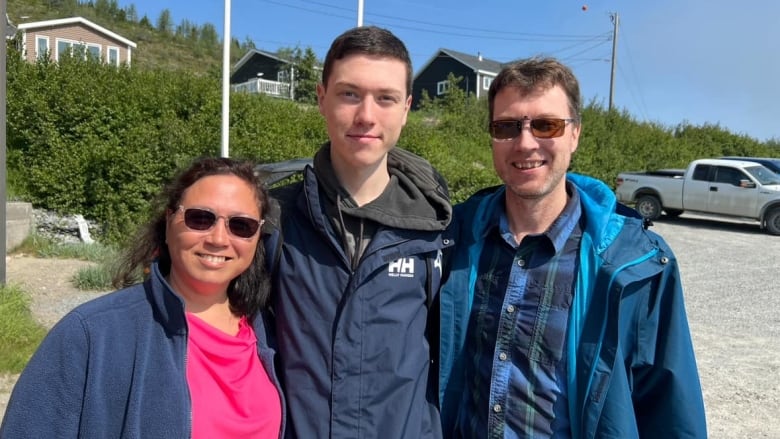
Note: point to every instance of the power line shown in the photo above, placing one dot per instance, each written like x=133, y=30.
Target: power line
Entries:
x=632, y=92
x=636, y=82
x=448, y=29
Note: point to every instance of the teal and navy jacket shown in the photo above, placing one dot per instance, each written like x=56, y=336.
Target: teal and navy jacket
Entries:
x=631, y=369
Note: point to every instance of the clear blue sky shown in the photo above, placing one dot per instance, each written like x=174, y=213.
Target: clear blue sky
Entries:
x=700, y=61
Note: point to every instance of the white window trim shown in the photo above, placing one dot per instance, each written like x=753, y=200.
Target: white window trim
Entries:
x=38, y=38
x=76, y=43
x=486, y=81
x=110, y=49
x=442, y=87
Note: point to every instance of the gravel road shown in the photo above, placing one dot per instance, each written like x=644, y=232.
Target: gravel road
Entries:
x=731, y=276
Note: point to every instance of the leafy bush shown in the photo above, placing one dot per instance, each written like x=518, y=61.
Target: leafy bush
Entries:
x=103, y=147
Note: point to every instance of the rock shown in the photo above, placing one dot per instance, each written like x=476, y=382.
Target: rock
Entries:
x=68, y=229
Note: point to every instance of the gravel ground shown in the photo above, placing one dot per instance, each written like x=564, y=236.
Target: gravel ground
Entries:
x=732, y=288
x=731, y=278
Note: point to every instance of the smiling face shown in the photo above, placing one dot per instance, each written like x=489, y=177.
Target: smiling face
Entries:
x=204, y=262
x=365, y=104
x=532, y=168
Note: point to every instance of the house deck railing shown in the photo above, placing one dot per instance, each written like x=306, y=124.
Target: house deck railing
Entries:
x=271, y=88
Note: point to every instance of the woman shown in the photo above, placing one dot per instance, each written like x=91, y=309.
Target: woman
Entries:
x=184, y=353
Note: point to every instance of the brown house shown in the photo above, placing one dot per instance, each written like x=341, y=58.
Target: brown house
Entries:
x=76, y=35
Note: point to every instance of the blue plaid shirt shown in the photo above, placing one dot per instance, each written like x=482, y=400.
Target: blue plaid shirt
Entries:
x=516, y=375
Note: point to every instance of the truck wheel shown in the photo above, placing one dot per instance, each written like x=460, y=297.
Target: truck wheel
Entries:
x=649, y=206
x=772, y=221
x=673, y=213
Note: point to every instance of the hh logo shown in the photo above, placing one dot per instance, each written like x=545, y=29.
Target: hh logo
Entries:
x=403, y=267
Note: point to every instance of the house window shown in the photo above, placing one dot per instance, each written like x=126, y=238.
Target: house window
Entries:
x=77, y=48
x=486, y=81
x=112, y=56
x=93, y=51
x=63, y=48
x=283, y=76
x=41, y=47
x=442, y=87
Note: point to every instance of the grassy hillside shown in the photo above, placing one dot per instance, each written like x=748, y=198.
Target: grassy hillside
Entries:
x=179, y=48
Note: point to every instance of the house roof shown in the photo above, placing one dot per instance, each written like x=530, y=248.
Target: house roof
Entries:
x=478, y=63
x=74, y=20
x=247, y=56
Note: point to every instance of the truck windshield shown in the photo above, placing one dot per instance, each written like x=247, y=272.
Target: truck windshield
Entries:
x=763, y=175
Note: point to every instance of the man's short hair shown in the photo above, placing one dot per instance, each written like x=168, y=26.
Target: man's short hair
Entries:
x=537, y=73
x=371, y=41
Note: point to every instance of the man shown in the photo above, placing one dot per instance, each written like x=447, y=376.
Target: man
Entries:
x=562, y=316
x=358, y=261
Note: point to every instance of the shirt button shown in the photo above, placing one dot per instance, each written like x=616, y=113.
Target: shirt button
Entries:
x=502, y=356
x=497, y=408
x=510, y=309
x=521, y=262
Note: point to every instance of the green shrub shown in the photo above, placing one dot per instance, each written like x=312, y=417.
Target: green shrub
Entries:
x=20, y=335
x=43, y=247
x=104, y=147
x=97, y=277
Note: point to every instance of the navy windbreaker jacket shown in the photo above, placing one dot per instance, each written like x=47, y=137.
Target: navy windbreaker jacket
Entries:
x=352, y=343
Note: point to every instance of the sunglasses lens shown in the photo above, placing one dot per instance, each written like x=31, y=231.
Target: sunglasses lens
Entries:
x=202, y=220
x=199, y=219
x=243, y=227
x=547, y=128
x=504, y=129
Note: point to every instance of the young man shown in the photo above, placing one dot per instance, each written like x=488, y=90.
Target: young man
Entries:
x=359, y=259
x=562, y=316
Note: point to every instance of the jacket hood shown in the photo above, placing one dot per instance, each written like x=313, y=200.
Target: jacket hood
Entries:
x=596, y=198
x=417, y=197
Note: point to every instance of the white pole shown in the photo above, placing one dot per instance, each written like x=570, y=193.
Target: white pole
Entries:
x=615, y=21
x=360, y=13
x=3, y=76
x=226, y=82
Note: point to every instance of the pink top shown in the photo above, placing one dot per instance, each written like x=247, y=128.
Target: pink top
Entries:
x=232, y=395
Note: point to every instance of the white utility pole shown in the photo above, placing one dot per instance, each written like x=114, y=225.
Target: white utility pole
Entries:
x=615, y=22
x=226, y=83
x=360, y=13
x=3, y=215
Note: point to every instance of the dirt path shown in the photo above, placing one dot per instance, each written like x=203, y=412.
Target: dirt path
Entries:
x=52, y=294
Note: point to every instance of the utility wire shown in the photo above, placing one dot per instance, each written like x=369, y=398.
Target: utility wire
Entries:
x=636, y=82
x=327, y=9
x=451, y=30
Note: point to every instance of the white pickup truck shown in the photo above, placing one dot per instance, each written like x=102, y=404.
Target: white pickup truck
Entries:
x=737, y=189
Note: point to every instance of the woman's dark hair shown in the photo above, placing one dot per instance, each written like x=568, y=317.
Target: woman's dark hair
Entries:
x=248, y=292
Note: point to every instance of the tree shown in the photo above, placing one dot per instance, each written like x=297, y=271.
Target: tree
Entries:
x=131, y=14
x=103, y=9
x=185, y=30
x=208, y=36
x=306, y=74
x=165, y=22
x=145, y=22
x=66, y=7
